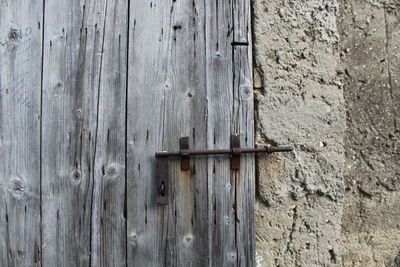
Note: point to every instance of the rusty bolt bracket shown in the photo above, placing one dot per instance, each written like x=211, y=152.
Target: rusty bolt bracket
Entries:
x=162, y=180
x=184, y=147
x=184, y=153
x=236, y=151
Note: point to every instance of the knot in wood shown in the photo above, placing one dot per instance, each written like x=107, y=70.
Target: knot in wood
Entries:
x=232, y=256
x=245, y=92
x=76, y=176
x=14, y=35
x=188, y=240
x=17, y=187
x=226, y=219
x=79, y=114
x=228, y=187
x=132, y=240
x=112, y=170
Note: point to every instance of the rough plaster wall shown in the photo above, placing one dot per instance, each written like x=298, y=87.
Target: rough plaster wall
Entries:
x=320, y=206
x=299, y=102
x=370, y=52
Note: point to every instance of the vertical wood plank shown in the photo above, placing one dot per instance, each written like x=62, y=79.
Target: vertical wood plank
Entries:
x=72, y=56
x=166, y=101
x=83, y=162
x=149, y=85
x=232, y=197
x=20, y=87
x=186, y=116
x=108, y=212
x=243, y=123
x=219, y=93
x=189, y=87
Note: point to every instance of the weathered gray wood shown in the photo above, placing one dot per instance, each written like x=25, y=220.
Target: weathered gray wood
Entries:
x=149, y=83
x=244, y=124
x=189, y=87
x=108, y=216
x=219, y=36
x=185, y=110
x=83, y=161
x=185, y=79
x=168, y=37
x=20, y=83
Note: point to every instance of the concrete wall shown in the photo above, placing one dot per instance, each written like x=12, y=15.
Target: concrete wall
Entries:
x=327, y=82
x=370, y=53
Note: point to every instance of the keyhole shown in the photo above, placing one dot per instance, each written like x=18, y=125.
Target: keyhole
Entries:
x=161, y=189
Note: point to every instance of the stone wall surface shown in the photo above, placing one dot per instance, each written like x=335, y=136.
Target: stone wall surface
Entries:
x=370, y=53
x=335, y=200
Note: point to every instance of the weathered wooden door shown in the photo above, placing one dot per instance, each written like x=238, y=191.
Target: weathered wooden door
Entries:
x=89, y=91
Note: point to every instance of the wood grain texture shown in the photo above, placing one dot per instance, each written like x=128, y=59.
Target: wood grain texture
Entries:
x=221, y=191
x=121, y=80
x=147, y=89
x=83, y=155
x=20, y=83
x=195, y=84
x=108, y=209
x=243, y=123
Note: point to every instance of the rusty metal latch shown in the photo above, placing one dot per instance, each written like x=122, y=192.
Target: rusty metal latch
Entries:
x=162, y=177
